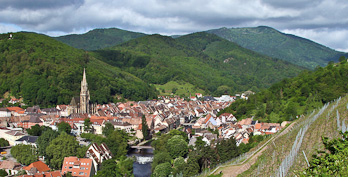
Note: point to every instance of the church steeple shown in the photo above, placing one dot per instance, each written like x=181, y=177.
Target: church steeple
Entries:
x=84, y=95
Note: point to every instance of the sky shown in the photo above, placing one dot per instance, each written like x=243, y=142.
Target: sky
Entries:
x=322, y=21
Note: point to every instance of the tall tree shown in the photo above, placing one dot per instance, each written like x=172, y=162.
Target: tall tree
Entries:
x=87, y=125
x=124, y=167
x=108, y=129
x=63, y=146
x=177, y=146
x=35, y=130
x=108, y=169
x=24, y=154
x=64, y=127
x=145, y=130
x=44, y=140
x=117, y=142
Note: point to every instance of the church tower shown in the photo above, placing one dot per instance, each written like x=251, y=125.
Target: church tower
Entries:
x=84, y=95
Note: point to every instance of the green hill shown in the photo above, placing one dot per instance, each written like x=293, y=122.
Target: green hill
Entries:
x=46, y=72
x=198, y=59
x=295, y=96
x=99, y=38
x=271, y=42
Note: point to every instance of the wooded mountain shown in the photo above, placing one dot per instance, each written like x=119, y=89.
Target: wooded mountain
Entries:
x=271, y=42
x=295, y=96
x=99, y=38
x=46, y=72
x=207, y=61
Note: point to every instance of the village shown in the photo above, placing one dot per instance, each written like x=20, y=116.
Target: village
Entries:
x=197, y=116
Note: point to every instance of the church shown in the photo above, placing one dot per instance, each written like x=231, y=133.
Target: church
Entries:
x=82, y=104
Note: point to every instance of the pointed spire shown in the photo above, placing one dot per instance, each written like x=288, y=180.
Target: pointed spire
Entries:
x=84, y=74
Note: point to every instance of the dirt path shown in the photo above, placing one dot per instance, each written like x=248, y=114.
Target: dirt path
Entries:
x=233, y=171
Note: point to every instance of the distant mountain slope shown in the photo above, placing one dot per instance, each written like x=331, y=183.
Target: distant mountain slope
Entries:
x=99, y=38
x=204, y=60
x=289, y=98
x=271, y=42
x=46, y=72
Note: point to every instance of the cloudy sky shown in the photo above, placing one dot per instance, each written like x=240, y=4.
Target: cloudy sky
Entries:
x=323, y=21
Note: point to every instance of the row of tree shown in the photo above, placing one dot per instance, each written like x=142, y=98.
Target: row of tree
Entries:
x=174, y=157
x=53, y=145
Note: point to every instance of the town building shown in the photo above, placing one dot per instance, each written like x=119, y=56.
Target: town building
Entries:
x=98, y=154
x=78, y=167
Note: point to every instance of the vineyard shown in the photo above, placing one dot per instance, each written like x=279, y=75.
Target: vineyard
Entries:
x=289, y=154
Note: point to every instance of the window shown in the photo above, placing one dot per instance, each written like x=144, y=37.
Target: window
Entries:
x=81, y=173
x=70, y=167
x=82, y=168
x=65, y=167
x=87, y=164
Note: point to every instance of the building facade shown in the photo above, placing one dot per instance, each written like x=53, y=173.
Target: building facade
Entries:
x=82, y=104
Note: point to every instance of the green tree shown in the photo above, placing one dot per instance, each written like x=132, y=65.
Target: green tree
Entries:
x=108, y=129
x=108, y=169
x=117, y=143
x=3, y=173
x=125, y=167
x=3, y=142
x=145, y=130
x=179, y=165
x=63, y=146
x=64, y=127
x=159, y=158
x=44, y=140
x=162, y=170
x=87, y=125
x=177, y=146
x=191, y=168
x=24, y=154
x=35, y=130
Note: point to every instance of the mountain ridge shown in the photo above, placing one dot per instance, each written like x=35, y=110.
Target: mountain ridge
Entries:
x=289, y=47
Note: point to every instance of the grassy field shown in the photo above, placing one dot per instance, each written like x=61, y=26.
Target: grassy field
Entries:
x=183, y=89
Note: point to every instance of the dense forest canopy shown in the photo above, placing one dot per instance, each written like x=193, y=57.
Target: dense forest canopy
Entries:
x=207, y=61
x=46, y=72
x=271, y=42
x=295, y=96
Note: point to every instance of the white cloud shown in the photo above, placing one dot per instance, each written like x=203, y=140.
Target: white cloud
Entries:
x=333, y=38
x=177, y=16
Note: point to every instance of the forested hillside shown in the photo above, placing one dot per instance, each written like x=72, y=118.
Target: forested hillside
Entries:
x=206, y=61
x=46, y=72
x=99, y=38
x=271, y=42
x=295, y=96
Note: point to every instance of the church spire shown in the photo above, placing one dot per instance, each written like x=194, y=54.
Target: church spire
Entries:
x=84, y=76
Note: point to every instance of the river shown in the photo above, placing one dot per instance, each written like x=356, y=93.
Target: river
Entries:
x=142, y=164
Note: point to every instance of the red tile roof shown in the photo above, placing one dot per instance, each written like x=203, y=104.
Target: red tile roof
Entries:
x=39, y=165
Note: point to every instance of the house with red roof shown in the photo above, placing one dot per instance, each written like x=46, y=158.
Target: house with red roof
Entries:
x=36, y=167
x=56, y=173
x=78, y=167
